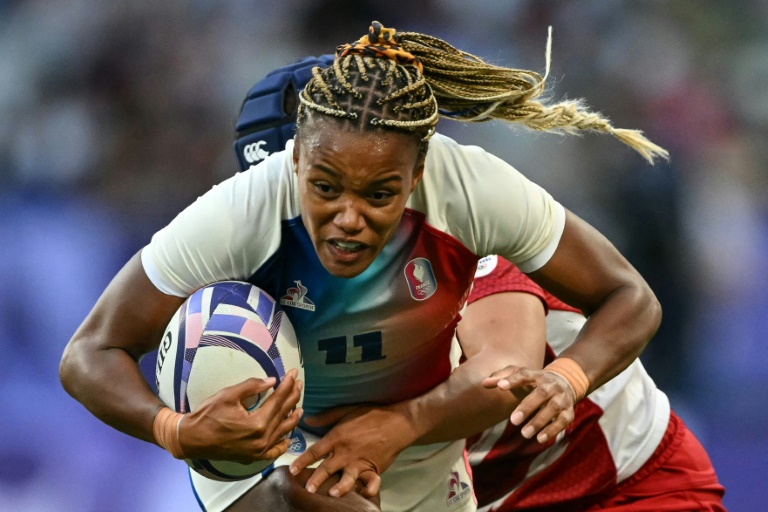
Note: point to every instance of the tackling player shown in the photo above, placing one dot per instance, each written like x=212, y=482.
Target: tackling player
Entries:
x=625, y=450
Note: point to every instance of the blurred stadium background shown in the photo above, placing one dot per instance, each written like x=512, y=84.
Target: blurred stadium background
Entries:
x=115, y=115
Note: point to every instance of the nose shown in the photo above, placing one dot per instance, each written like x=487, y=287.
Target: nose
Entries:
x=349, y=217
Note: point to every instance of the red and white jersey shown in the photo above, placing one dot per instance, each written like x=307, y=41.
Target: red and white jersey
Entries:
x=615, y=431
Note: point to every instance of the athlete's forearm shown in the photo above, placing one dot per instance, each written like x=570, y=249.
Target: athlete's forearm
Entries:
x=588, y=272
x=110, y=385
x=99, y=367
x=502, y=329
x=460, y=407
x=615, y=334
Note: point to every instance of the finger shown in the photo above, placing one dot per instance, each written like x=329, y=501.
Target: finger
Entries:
x=277, y=450
x=371, y=481
x=559, y=424
x=311, y=455
x=530, y=403
x=249, y=388
x=290, y=402
x=320, y=475
x=496, y=376
x=521, y=378
x=541, y=419
x=271, y=406
x=329, y=416
x=345, y=484
x=286, y=426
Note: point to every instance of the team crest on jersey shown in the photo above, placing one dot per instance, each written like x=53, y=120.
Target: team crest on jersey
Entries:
x=296, y=297
x=486, y=265
x=420, y=278
x=457, y=490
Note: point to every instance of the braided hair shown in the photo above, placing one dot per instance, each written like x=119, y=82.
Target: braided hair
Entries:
x=404, y=81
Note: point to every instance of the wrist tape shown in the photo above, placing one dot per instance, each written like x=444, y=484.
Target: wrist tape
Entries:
x=165, y=428
x=570, y=370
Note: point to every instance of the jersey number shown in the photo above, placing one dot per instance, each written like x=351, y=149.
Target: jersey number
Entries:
x=336, y=348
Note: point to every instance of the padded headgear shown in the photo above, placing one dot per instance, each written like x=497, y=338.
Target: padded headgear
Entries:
x=267, y=117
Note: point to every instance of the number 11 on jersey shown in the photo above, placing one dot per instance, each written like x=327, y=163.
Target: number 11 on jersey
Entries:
x=336, y=351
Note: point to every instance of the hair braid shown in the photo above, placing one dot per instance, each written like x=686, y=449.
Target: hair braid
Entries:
x=366, y=91
x=406, y=81
x=472, y=90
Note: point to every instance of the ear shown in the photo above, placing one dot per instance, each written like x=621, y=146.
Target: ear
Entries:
x=296, y=156
x=418, y=172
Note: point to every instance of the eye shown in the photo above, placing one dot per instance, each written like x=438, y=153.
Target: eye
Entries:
x=382, y=196
x=323, y=188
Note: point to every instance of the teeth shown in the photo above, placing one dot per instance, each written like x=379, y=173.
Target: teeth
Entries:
x=348, y=246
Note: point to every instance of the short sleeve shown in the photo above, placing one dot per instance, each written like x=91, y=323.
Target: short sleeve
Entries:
x=490, y=206
x=228, y=233
x=497, y=275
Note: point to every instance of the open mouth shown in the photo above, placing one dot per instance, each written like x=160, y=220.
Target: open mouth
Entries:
x=347, y=246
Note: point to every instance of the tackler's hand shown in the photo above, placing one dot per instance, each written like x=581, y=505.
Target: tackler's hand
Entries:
x=546, y=394
x=223, y=428
x=363, y=442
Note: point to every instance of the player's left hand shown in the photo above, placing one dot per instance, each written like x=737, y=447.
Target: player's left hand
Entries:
x=547, y=393
x=363, y=442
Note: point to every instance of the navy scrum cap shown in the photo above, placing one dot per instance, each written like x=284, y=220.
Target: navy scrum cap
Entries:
x=267, y=117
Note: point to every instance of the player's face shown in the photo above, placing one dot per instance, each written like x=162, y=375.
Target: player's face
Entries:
x=353, y=188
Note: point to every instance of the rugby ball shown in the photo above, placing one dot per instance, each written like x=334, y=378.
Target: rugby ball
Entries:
x=223, y=334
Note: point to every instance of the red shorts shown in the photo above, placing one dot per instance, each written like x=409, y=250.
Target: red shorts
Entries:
x=678, y=477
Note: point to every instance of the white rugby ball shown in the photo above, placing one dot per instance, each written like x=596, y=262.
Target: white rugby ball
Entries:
x=224, y=334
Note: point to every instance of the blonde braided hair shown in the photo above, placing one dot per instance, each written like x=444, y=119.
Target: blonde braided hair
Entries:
x=364, y=88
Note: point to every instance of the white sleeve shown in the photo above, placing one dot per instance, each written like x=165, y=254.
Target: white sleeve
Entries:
x=228, y=233
x=490, y=206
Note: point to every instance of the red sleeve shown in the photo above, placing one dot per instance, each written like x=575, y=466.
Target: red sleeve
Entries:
x=497, y=275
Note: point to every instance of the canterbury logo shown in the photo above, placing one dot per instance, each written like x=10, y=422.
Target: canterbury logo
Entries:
x=253, y=152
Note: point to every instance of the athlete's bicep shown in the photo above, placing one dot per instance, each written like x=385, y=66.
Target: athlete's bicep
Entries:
x=585, y=268
x=511, y=324
x=131, y=313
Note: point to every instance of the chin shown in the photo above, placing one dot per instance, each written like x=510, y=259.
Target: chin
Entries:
x=337, y=267
x=344, y=271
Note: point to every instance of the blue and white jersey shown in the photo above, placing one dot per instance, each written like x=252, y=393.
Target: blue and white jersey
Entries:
x=384, y=335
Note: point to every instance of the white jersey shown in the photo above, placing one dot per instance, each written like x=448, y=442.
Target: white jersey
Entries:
x=384, y=335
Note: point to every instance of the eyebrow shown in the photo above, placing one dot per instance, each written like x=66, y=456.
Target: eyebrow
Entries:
x=335, y=174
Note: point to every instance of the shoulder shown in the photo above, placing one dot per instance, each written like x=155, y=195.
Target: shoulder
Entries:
x=486, y=203
x=266, y=191
x=446, y=152
x=228, y=233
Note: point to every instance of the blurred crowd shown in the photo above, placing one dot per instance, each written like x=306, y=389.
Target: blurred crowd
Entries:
x=116, y=115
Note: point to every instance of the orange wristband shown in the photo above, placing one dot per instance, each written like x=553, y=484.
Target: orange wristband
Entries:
x=165, y=428
x=570, y=370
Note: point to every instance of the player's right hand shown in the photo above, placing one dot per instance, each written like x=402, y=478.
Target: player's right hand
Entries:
x=549, y=400
x=222, y=428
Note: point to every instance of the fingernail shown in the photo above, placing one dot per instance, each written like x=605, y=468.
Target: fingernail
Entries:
x=503, y=384
x=527, y=432
x=334, y=492
x=516, y=418
x=294, y=470
x=311, y=488
x=542, y=437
